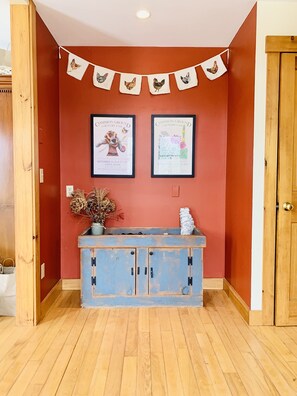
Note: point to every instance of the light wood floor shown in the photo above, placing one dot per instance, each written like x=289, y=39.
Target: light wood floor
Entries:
x=146, y=351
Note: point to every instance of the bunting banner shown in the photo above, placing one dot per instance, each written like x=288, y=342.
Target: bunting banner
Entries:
x=186, y=78
x=158, y=84
x=214, y=67
x=76, y=66
x=103, y=78
x=130, y=84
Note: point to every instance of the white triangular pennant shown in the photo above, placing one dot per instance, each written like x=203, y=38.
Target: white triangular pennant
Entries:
x=158, y=84
x=186, y=78
x=130, y=83
x=214, y=67
x=76, y=66
x=102, y=77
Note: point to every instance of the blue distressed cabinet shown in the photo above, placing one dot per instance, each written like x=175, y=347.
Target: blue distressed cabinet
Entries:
x=141, y=267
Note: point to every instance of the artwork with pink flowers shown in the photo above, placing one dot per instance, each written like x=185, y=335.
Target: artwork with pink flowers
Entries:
x=173, y=145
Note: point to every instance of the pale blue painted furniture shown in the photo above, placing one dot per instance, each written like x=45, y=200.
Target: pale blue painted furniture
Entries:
x=141, y=267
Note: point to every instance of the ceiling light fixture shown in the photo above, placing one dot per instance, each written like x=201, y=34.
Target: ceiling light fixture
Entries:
x=143, y=14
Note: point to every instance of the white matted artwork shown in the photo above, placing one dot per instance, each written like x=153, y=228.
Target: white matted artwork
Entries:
x=112, y=145
x=173, y=145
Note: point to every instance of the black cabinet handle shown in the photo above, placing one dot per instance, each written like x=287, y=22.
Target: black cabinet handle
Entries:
x=132, y=253
x=151, y=253
x=152, y=272
x=138, y=270
x=145, y=270
x=132, y=271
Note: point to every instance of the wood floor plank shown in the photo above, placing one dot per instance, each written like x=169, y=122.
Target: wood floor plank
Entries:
x=174, y=384
x=144, y=377
x=86, y=372
x=114, y=375
x=132, y=333
x=100, y=372
x=129, y=377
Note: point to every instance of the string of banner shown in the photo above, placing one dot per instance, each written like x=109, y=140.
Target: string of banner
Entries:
x=158, y=83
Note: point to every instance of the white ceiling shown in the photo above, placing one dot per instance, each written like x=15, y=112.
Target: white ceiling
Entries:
x=173, y=23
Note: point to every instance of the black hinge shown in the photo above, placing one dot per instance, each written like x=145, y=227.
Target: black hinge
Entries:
x=190, y=260
x=93, y=280
x=190, y=281
x=93, y=261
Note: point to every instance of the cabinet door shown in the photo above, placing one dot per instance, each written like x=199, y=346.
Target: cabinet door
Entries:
x=168, y=272
x=114, y=272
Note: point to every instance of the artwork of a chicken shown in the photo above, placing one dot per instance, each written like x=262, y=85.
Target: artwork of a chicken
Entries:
x=186, y=79
x=100, y=78
x=158, y=84
x=130, y=84
x=214, y=68
x=73, y=65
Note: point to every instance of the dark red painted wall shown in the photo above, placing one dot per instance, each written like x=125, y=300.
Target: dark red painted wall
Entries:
x=146, y=201
x=240, y=158
x=49, y=155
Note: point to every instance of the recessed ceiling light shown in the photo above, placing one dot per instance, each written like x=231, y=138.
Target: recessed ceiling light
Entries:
x=143, y=14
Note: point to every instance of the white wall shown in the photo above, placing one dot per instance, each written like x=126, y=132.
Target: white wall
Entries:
x=4, y=24
x=274, y=18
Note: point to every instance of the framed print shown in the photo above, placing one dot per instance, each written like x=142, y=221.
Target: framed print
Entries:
x=112, y=145
x=173, y=145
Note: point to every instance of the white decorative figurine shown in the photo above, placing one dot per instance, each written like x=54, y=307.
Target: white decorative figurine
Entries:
x=186, y=221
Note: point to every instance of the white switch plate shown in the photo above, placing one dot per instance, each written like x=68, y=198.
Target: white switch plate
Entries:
x=42, y=271
x=41, y=175
x=69, y=191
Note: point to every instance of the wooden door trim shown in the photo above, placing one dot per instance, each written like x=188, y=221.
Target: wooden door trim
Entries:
x=26, y=180
x=275, y=45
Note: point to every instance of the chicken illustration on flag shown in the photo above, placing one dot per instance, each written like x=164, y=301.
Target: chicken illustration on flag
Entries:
x=214, y=67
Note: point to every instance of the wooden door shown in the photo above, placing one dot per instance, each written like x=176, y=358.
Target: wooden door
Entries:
x=286, y=243
x=6, y=173
x=115, y=272
x=169, y=272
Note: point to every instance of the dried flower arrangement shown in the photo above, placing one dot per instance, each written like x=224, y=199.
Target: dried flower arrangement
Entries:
x=95, y=205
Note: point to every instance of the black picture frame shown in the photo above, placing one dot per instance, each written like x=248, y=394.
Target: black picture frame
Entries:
x=173, y=145
x=112, y=145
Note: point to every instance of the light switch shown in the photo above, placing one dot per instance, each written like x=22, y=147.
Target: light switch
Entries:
x=69, y=191
x=175, y=191
x=41, y=175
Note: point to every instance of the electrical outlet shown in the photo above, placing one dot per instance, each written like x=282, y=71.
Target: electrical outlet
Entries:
x=42, y=271
x=69, y=191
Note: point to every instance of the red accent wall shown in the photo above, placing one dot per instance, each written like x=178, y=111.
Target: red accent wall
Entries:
x=49, y=155
x=239, y=178
x=146, y=201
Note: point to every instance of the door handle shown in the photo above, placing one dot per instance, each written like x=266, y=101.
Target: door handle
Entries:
x=152, y=272
x=287, y=206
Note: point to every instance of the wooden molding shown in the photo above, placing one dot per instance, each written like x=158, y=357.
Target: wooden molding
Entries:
x=213, y=283
x=5, y=82
x=281, y=44
x=71, y=284
x=50, y=298
x=253, y=318
x=270, y=186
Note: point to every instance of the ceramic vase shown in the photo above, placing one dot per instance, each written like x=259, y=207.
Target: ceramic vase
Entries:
x=97, y=229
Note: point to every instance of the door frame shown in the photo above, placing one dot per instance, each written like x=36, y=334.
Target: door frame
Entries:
x=26, y=167
x=275, y=45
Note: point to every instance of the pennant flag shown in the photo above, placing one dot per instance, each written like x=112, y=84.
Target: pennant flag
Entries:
x=159, y=84
x=103, y=78
x=214, y=67
x=76, y=66
x=130, y=84
x=186, y=78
